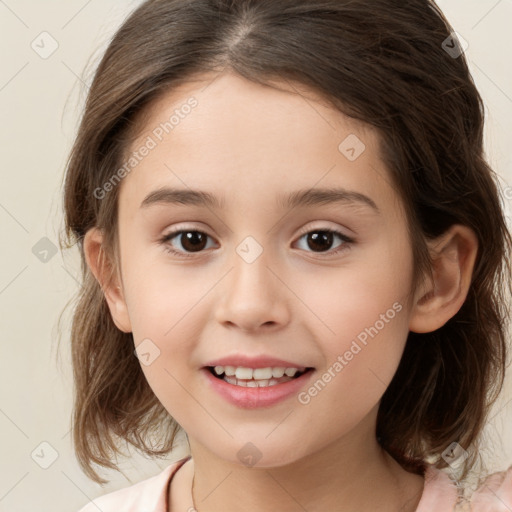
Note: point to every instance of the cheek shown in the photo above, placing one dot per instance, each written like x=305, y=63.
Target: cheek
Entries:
x=353, y=297
x=365, y=338
x=364, y=317
x=166, y=311
x=161, y=297
x=361, y=356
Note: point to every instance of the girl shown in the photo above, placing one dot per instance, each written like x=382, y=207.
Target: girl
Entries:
x=223, y=141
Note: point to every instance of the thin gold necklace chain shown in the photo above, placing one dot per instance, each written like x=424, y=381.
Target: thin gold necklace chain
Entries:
x=193, y=500
x=461, y=504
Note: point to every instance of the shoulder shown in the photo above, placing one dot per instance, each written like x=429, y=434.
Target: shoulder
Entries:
x=494, y=494
x=149, y=495
x=439, y=492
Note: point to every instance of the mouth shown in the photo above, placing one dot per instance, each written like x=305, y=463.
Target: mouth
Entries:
x=256, y=377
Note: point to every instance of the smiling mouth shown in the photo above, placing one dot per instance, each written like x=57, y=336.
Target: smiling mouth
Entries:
x=276, y=376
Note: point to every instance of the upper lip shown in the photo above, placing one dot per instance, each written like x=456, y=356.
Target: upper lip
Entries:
x=255, y=362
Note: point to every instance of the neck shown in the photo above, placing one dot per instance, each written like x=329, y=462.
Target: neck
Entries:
x=353, y=474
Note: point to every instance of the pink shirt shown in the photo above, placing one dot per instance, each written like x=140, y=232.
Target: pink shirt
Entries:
x=439, y=494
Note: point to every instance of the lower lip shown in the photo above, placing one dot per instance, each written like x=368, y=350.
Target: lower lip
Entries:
x=254, y=398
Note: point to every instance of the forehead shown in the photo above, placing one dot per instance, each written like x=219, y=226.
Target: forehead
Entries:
x=224, y=133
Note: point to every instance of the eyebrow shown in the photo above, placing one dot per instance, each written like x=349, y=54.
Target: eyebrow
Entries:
x=309, y=197
x=181, y=196
x=320, y=196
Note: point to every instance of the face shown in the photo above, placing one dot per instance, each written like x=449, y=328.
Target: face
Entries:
x=320, y=283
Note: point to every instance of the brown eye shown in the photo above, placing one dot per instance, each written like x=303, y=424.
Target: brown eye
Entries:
x=193, y=240
x=188, y=241
x=321, y=240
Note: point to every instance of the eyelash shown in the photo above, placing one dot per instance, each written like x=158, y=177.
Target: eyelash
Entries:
x=168, y=237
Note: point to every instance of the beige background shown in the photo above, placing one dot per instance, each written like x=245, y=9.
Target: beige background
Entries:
x=40, y=101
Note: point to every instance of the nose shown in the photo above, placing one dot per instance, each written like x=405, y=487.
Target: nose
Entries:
x=253, y=296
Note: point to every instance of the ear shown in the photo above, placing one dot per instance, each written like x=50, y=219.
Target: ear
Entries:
x=107, y=277
x=454, y=254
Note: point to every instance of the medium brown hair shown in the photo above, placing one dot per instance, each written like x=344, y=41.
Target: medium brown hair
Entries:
x=382, y=62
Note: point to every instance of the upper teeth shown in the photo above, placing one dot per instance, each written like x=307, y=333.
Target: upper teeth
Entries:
x=255, y=373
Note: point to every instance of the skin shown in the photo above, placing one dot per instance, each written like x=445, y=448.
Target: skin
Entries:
x=248, y=144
